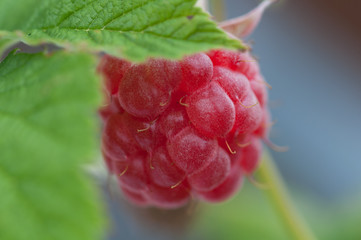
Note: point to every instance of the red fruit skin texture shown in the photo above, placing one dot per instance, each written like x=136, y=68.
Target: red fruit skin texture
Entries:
x=165, y=74
x=248, y=114
x=169, y=197
x=251, y=155
x=176, y=129
x=230, y=146
x=113, y=70
x=263, y=130
x=134, y=177
x=234, y=83
x=162, y=171
x=212, y=175
x=119, y=167
x=226, y=189
x=143, y=132
x=173, y=121
x=111, y=107
x=117, y=142
x=211, y=111
x=236, y=61
x=140, y=96
x=191, y=151
x=259, y=88
x=197, y=71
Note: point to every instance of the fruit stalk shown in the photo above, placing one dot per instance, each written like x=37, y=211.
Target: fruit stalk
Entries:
x=280, y=199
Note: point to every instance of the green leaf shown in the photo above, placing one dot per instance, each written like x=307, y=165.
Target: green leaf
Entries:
x=135, y=29
x=47, y=126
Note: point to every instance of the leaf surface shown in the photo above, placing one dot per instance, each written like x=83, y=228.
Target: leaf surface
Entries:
x=135, y=29
x=47, y=128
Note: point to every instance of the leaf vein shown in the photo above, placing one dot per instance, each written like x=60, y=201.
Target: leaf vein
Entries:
x=126, y=12
x=73, y=13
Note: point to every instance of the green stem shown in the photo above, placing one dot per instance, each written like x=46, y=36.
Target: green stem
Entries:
x=277, y=193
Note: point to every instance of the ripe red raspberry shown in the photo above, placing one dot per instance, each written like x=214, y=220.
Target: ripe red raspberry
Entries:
x=176, y=130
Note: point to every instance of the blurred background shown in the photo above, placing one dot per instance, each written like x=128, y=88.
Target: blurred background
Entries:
x=310, y=52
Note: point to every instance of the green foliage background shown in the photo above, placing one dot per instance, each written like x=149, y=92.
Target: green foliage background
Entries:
x=48, y=124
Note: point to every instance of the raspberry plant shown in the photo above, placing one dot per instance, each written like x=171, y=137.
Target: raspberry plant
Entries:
x=48, y=103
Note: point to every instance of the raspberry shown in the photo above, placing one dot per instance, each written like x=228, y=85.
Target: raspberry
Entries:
x=191, y=151
x=145, y=89
x=259, y=90
x=211, y=110
x=173, y=121
x=242, y=63
x=118, y=143
x=226, y=189
x=133, y=177
x=113, y=69
x=248, y=114
x=251, y=155
x=197, y=71
x=180, y=130
x=213, y=175
x=162, y=170
x=110, y=109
